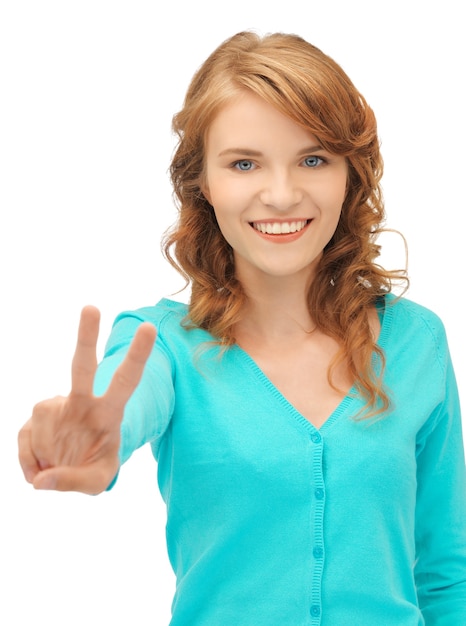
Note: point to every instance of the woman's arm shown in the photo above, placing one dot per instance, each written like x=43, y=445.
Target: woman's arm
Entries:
x=440, y=566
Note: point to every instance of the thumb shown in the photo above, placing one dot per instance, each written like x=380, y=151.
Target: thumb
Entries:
x=91, y=479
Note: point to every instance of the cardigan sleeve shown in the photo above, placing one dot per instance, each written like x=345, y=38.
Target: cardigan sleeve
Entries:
x=440, y=567
x=148, y=411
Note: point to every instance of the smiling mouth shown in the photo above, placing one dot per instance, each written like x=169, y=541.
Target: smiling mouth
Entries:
x=280, y=228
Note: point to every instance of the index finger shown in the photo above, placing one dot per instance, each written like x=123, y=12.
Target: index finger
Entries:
x=84, y=362
x=129, y=372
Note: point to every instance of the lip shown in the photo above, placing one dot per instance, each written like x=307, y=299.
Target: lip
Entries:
x=282, y=237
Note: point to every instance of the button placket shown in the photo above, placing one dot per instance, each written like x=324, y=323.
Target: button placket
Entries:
x=315, y=609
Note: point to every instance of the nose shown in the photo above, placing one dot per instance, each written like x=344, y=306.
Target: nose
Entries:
x=281, y=191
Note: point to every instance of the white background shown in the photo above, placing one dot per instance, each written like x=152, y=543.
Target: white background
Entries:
x=88, y=90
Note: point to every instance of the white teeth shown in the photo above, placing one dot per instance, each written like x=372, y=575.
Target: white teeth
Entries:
x=279, y=228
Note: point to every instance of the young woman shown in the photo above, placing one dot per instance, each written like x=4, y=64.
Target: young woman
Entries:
x=305, y=421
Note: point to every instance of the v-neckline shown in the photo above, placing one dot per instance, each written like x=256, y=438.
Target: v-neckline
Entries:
x=350, y=397
x=290, y=408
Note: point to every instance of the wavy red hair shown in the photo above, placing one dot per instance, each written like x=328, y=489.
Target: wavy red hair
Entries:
x=309, y=87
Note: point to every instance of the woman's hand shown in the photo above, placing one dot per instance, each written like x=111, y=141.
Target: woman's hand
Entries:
x=72, y=443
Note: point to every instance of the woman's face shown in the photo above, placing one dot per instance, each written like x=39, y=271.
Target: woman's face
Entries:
x=277, y=194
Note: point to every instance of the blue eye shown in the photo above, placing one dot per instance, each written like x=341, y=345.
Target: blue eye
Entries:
x=313, y=161
x=244, y=165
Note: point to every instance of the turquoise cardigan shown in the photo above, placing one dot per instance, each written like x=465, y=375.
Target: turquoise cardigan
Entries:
x=272, y=522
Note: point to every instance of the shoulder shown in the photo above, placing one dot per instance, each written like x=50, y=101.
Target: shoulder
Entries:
x=168, y=316
x=415, y=326
x=126, y=323
x=409, y=313
x=156, y=314
x=164, y=312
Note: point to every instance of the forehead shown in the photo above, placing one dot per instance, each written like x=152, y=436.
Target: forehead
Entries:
x=249, y=119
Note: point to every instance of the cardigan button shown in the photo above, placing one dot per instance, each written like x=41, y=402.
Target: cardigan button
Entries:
x=316, y=438
x=318, y=552
x=319, y=493
x=315, y=610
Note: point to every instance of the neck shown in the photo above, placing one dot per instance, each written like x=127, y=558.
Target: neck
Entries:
x=277, y=307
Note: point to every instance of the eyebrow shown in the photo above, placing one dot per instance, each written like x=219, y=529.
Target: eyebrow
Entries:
x=256, y=153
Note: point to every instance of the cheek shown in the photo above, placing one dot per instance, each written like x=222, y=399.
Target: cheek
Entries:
x=230, y=226
x=225, y=198
x=225, y=223
x=340, y=188
x=342, y=184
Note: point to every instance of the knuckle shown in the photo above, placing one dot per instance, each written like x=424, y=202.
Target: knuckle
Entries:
x=45, y=408
x=123, y=380
x=80, y=368
x=24, y=431
x=39, y=408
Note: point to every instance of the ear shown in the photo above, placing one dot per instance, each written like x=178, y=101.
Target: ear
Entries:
x=206, y=194
x=204, y=187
